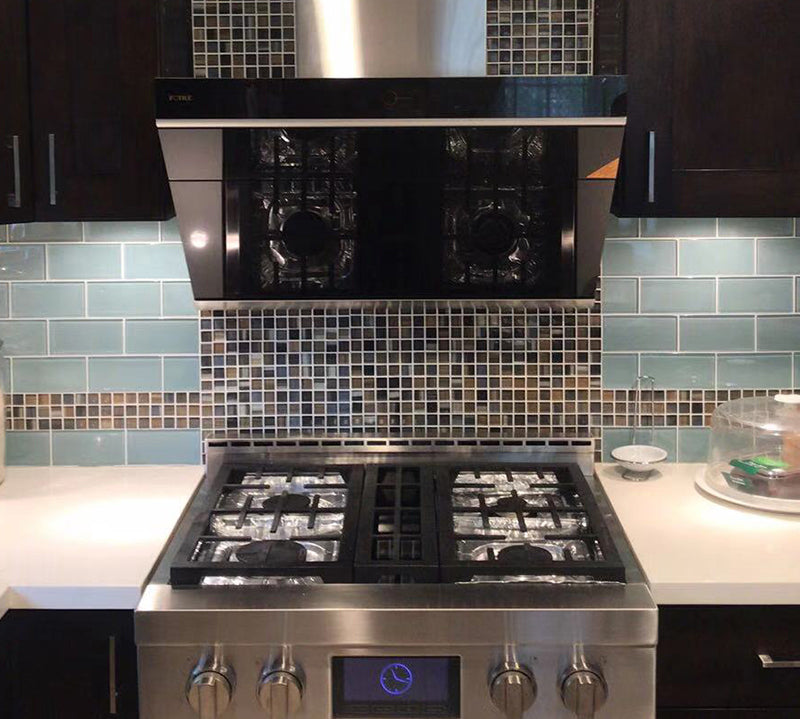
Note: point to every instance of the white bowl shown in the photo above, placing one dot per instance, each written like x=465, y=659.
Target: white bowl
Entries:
x=638, y=457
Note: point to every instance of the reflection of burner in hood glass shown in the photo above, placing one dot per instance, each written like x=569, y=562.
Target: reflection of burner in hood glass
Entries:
x=306, y=233
x=277, y=552
x=524, y=554
x=492, y=233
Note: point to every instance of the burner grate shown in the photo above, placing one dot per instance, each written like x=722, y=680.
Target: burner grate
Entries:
x=292, y=524
x=397, y=532
x=510, y=521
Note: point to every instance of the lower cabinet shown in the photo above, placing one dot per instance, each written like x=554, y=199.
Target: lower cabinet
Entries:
x=78, y=664
x=710, y=666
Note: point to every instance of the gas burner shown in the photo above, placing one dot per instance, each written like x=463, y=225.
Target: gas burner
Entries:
x=524, y=554
x=278, y=553
x=513, y=503
x=287, y=502
x=306, y=234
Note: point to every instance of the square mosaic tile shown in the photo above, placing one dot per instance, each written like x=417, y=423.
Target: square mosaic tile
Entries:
x=539, y=37
x=243, y=38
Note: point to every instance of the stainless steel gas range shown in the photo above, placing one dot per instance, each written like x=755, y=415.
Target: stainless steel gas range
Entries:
x=341, y=583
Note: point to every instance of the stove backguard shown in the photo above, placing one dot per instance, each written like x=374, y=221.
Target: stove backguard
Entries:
x=467, y=198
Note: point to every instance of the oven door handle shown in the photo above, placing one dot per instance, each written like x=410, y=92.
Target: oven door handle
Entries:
x=767, y=662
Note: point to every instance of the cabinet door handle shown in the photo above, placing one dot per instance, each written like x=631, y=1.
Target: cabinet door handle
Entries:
x=767, y=662
x=51, y=165
x=112, y=675
x=651, y=166
x=15, y=198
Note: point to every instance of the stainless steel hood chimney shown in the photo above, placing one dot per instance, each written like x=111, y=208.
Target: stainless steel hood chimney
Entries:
x=392, y=166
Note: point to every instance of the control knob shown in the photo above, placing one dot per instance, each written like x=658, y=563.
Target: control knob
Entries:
x=209, y=690
x=513, y=690
x=280, y=693
x=583, y=691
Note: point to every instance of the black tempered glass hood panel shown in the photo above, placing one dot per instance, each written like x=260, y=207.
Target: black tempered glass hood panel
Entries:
x=468, y=188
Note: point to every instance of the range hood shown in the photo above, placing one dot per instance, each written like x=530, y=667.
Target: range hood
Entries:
x=393, y=100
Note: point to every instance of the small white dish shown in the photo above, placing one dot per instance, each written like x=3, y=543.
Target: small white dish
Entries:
x=638, y=459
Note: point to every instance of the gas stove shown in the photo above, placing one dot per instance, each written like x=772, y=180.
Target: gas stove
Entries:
x=356, y=583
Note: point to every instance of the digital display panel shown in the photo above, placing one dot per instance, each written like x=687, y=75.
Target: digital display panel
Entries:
x=396, y=686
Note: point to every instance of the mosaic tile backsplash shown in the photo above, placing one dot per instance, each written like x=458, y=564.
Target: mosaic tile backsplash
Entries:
x=108, y=362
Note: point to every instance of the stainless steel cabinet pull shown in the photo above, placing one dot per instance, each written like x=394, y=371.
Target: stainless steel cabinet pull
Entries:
x=15, y=198
x=112, y=675
x=767, y=662
x=651, y=166
x=51, y=143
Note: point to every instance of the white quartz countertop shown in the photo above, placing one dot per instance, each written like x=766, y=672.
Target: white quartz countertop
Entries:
x=86, y=537
x=698, y=550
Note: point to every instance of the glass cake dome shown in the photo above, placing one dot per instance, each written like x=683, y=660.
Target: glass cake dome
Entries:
x=755, y=451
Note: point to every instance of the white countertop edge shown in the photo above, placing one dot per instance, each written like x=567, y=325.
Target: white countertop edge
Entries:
x=70, y=598
x=712, y=593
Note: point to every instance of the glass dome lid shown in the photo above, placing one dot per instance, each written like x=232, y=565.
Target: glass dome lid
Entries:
x=755, y=449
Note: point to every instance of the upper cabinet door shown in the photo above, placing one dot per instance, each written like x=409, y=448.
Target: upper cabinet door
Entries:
x=96, y=152
x=16, y=176
x=714, y=107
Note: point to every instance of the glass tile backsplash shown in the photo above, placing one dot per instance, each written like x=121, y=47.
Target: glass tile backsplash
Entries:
x=106, y=360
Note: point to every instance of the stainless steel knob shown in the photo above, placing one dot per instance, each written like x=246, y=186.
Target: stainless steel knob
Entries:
x=583, y=692
x=280, y=693
x=513, y=690
x=209, y=693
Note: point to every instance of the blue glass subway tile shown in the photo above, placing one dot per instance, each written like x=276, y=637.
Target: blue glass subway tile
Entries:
x=679, y=295
x=622, y=226
x=49, y=374
x=620, y=370
x=755, y=294
x=619, y=295
x=46, y=232
x=678, y=227
x=778, y=333
x=680, y=371
x=756, y=227
x=140, y=374
x=88, y=449
x=179, y=300
x=155, y=262
x=631, y=334
x=181, y=374
x=638, y=257
x=124, y=299
x=84, y=262
x=164, y=447
x=693, y=444
x=162, y=336
x=22, y=262
x=31, y=449
x=716, y=257
x=23, y=338
x=121, y=231
x=85, y=337
x=779, y=257
x=170, y=231
x=754, y=371
x=47, y=299
x=4, y=300
x=717, y=334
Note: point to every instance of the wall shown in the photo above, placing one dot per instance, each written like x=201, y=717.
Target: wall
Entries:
x=706, y=306
x=100, y=344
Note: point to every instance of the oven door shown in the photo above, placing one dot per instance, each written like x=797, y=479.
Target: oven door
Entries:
x=385, y=213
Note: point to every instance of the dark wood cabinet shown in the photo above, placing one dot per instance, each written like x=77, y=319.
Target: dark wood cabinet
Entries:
x=713, y=109
x=709, y=667
x=16, y=169
x=91, y=146
x=69, y=664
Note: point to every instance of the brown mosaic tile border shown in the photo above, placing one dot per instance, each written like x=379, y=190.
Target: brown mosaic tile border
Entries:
x=665, y=408
x=104, y=410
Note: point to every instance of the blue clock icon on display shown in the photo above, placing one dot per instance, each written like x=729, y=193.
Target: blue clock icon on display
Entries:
x=396, y=679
